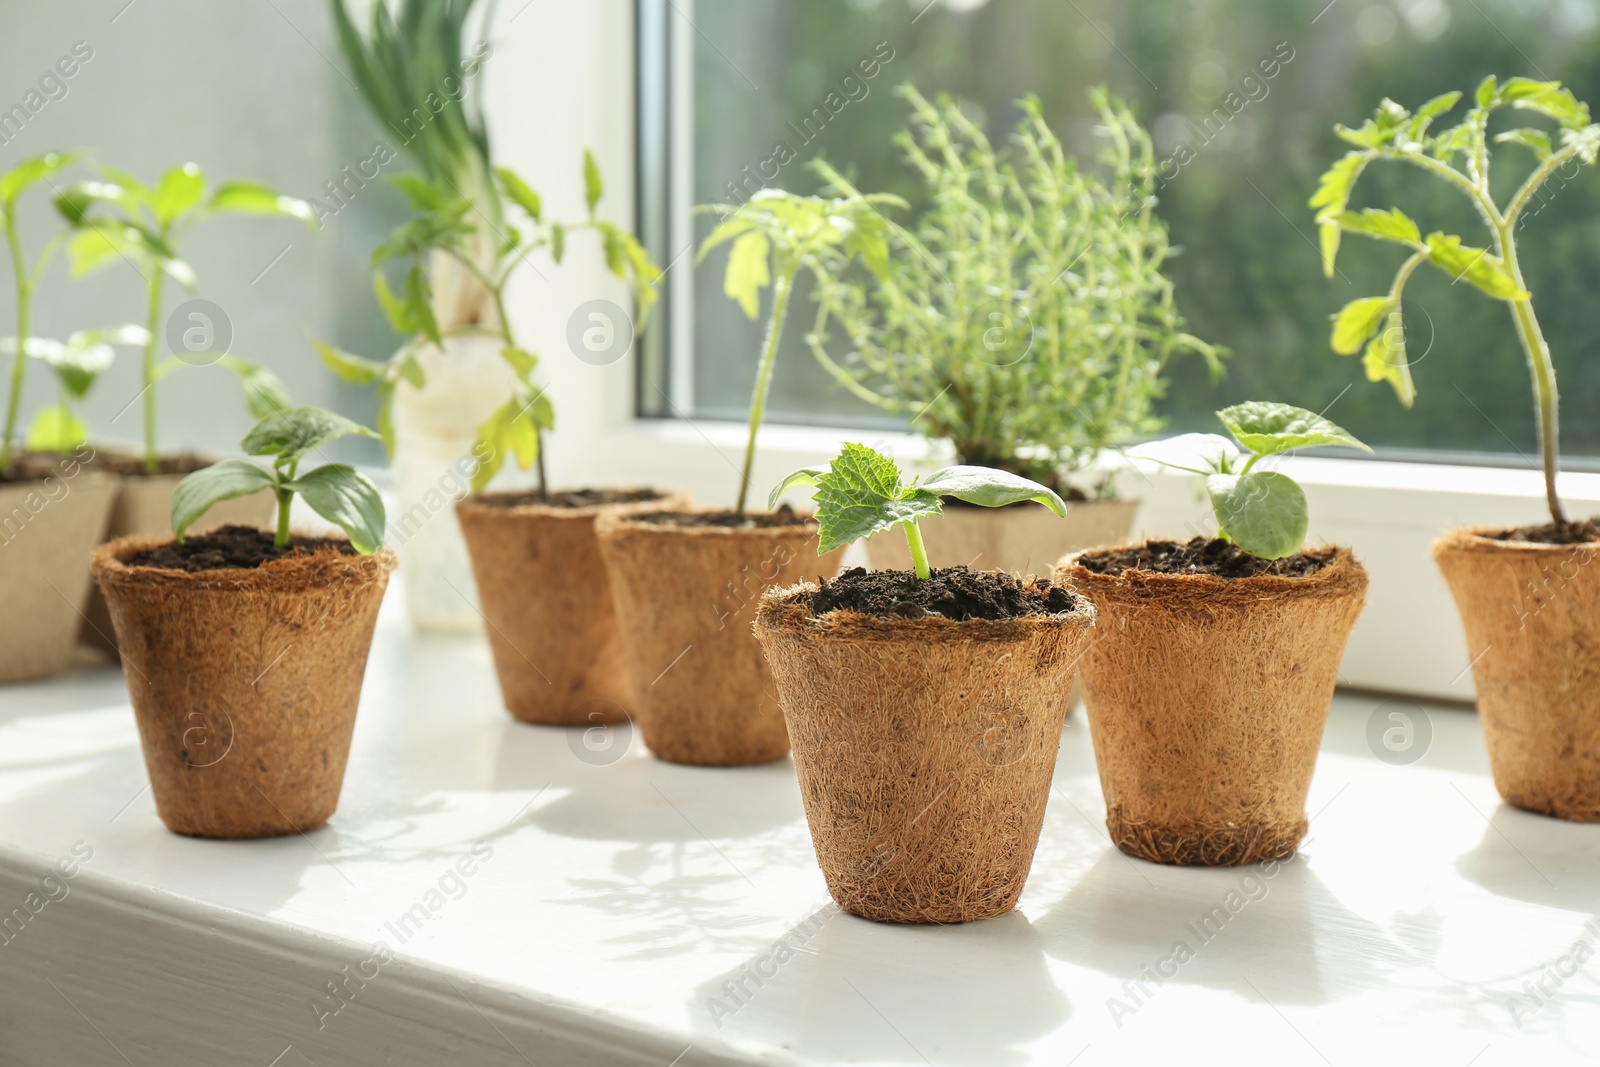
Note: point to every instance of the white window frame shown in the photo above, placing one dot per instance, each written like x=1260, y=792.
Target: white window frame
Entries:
x=572, y=84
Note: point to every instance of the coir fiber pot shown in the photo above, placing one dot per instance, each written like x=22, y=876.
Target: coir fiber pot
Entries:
x=244, y=681
x=49, y=525
x=1021, y=538
x=924, y=748
x=545, y=596
x=1531, y=612
x=144, y=506
x=1207, y=697
x=686, y=590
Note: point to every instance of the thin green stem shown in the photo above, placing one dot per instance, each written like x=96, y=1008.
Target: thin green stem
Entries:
x=152, y=462
x=919, y=552
x=498, y=293
x=1543, y=371
x=1535, y=180
x=782, y=280
x=20, y=360
x=285, y=499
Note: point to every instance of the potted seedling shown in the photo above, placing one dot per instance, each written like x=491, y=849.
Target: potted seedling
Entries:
x=1528, y=598
x=244, y=648
x=1208, y=683
x=925, y=706
x=52, y=510
x=1025, y=318
x=686, y=582
x=540, y=581
x=117, y=219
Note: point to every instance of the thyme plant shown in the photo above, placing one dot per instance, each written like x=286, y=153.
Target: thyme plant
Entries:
x=1025, y=316
x=1460, y=158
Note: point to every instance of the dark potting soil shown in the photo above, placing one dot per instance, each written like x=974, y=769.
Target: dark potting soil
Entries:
x=949, y=592
x=785, y=516
x=1550, y=533
x=228, y=547
x=133, y=466
x=1202, y=555
x=572, y=498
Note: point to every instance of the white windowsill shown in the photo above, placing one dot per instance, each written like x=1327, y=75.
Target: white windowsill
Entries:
x=621, y=898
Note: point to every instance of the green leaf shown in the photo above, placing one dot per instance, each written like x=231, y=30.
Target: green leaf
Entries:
x=1391, y=225
x=418, y=296
x=1477, y=265
x=73, y=202
x=211, y=485
x=1438, y=105
x=512, y=430
x=264, y=392
x=1263, y=512
x=593, y=187
x=256, y=198
x=422, y=194
x=348, y=499
x=861, y=495
x=1536, y=141
x=394, y=309
x=178, y=191
x=558, y=241
x=803, y=476
x=747, y=272
x=353, y=369
x=1266, y=428
x=1546, y=98
x=411, y=370
x=1486, y=91
x=1197, y=453
x=1385, y=360
x=1386, y=125
x=290, y=434
x=520, y=360
x=1357, y=321
x=104, y=243
x=56, y=429
x=611, y=241
x=990, y=488
x=520, y=192
x=30, y=171
x=1331, y=199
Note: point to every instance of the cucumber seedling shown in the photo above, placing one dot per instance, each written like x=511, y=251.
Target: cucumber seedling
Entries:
x=339, y=493
x=862, y=493
x=1263, y=512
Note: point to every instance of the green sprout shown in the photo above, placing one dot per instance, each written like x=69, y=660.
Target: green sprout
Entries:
x=775, y=235
x=77, y=364
x=121, y=219
x=1394, y=133
x=862, y=493
x=1263, y=512
x=339, y=493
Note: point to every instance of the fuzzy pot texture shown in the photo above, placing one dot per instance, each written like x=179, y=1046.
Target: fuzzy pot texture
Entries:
x=244, y=682
x=547, y=601
x=686, y=597
x=1532, y=618
x=1206, y=700
x=48, y=528
x=924, y=749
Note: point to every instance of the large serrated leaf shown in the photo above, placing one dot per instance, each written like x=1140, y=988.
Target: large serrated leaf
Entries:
x=1477, y=265
x=1266, y=428
x=862, y=495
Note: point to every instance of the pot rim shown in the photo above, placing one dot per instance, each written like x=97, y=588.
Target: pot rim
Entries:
x=614, y=524
x=85, y=476
x=1476, y=539
x=312, y=570
x=1341, y=575
x=779, y=611
x=479, y=504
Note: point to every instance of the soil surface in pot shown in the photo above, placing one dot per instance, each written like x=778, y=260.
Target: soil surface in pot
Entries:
x=950, y=592
x=231, y=547
x=1202, y=555
x=573, y=498
x=783, y=518
x=1551, y=533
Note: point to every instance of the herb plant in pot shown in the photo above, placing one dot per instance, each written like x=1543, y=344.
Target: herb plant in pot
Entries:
x=53, y=509
x=686, y=582
x=1025, y=318
x=540, y=582
x=1529, y=598
x=244, y=649
x=118, y=219
x=1214, y=661
x=925, y=706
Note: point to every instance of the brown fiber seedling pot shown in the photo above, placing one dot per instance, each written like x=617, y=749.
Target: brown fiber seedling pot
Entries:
x=1206, y=700
x=1532, y=618
x=144, y=506
x=547, y=603
x=48, y=528
x=924, y=749
x=244, y=682
x=686, y=597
